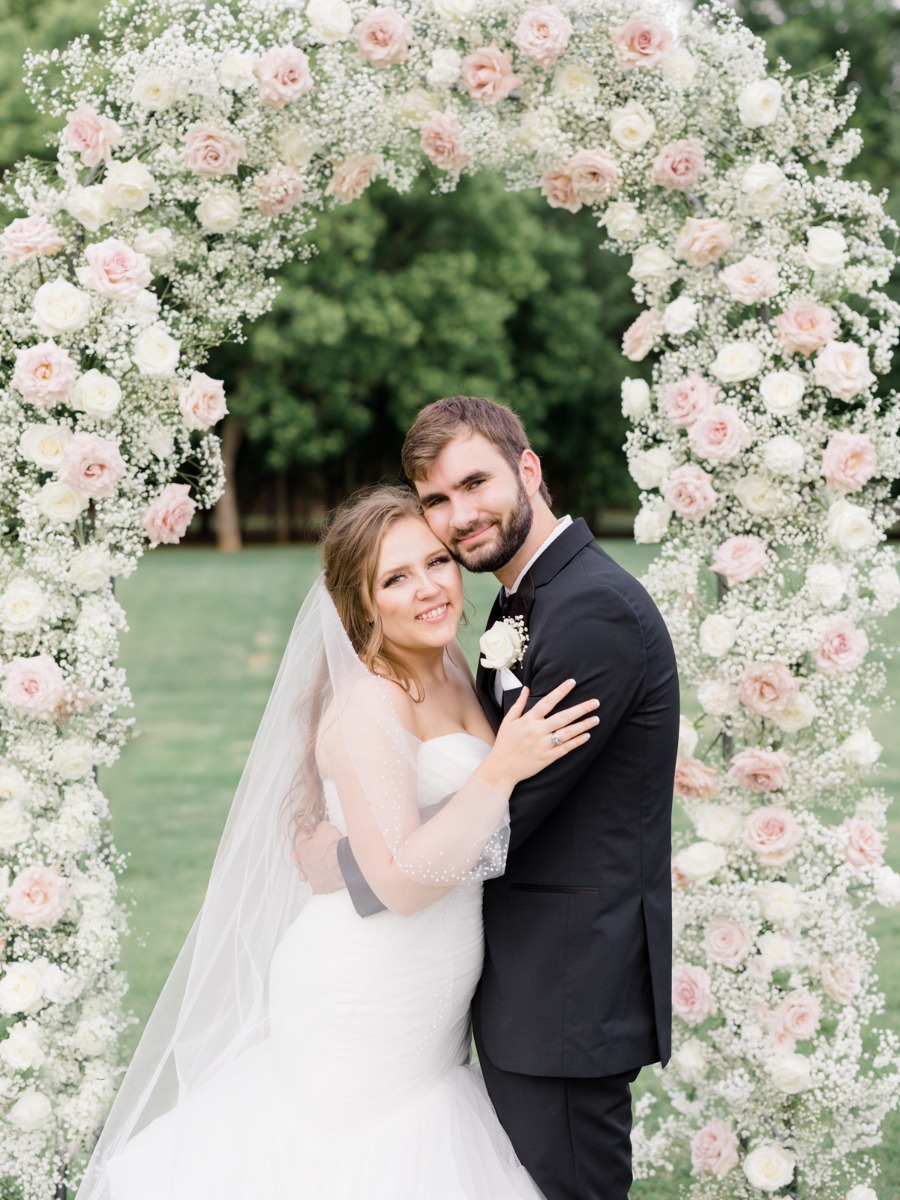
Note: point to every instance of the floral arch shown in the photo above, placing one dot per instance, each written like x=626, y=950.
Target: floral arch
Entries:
x=199, y=143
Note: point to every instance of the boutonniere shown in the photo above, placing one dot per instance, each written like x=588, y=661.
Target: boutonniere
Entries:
x=503, y=645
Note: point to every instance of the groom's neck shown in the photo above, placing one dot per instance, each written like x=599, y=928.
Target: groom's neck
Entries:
x=542, y=526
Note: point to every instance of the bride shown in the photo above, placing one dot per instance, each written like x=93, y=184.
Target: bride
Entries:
x=298, y=1052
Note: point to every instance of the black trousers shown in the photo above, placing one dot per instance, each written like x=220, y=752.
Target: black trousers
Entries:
x=573, y=1136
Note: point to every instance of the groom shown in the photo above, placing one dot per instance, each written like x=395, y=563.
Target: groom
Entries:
x=576, y=991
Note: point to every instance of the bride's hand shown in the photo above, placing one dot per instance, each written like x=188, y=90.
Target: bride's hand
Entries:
x=529, y=741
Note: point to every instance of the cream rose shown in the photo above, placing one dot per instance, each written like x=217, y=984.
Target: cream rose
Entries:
x=687, y=738
x=717, y=635
x=759, y=103
x=779, y=902
x=329, y=20
x=759, y=496
x=60, y=307
x=842, y=368
x=501, y=646
x=129, y=185
x=791, y=1073
x=32, y=1111
x=797, y=713
x=632, y=126
x=783, y=455
x=351, y=177
x=91, y=568
x=623, y=222
x=652, y=522
x=690, y=1061
x=719, y=823
x=22, y=605
x=21, y=988
x=850, y=527
x=680, y=316
x=826, y=249
x=154, y=91
x=859, y=749
x=156, y=352
x=635, y=398
x=60, y=503
x=650, y=468
x=90, y=206
x=73, y=758
x=96, y=394
x=702, y=240
x=575, y=82
x=699, y=862
x=22, y=1048
x=649, y=263
x=781, y=392
x=763, y=185
x=736, y=362
x=14, y=825
x=220, y=210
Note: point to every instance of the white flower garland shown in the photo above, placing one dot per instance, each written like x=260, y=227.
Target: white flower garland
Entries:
x=191, y=166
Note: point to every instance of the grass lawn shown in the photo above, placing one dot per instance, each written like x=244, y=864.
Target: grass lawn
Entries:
x=206, y=636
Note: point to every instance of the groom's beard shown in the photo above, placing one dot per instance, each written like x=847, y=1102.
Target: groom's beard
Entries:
x=508, y=540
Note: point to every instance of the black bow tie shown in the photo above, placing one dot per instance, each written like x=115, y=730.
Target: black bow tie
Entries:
x=518, y=604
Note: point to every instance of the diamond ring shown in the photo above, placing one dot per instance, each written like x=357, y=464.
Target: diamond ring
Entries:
x=555, y=740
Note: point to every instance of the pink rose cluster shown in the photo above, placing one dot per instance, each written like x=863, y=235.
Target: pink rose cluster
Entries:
x=202, y=401
x=543, y=34
x=29, y=237
x=641, y=42
x=44, y=374
x=383, y=37
x=640, y=336
x=679, y=165
x=92, y=466
x=279, y=190
x=714, y=1149
x=773, y=835
x=589, y=177
x=761, y=770
x=114, y=270
x=842, y=648
x=848, y=461
x=34, y=685
x=283, y=75
x=718, y=434
x=694, y=780
x=168, y=516
x=726, y=943
x=862, y=843
x=210, y=152
x=806, y=327
x=842, y=368
x=841, y=977
x=796, y=1018
x=767, y=688
x=751, y=280
x=685, y=399
x=488, y=74
x=702, y=240
x=91, y=136
x=740, y=558
x=350, y=178
x=692, y=996
x=689, y=492
x=38, y=897
x=443, y=143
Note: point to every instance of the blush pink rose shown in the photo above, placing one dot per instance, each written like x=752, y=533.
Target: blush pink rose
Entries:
x=350, y=178
x=726, y=942
x=640, y=336
x=842, y=368
x=848, y=461
x=595, y=176
x=115, y=270
x=679, y=165
x=168, y=516
x=443, y=142
x=29, y=237
x=806, y=327
x=773, y=835
x=797, y=1016
x=283, y=75
x=714, y=1150
x=91, y=136
x=38, y=897
x=685, y=399
x=44, y=374
x=841, y=977
x=33, y=685
x=488, y=74
x=692, y=997
x=383, y=37
x=91, y=465
x=202, y=402
x=760, y=770
x=718, y=434
x=211, y=153
x=557, y=187
x=689, y=492
x=641, y=42
x=752, y=279
x=543, y=34
x=863, y=846
x=741, y=558
x=842, y=648
x=694, y=780
x=702, y=240
x=767, y=688
x=279, y=190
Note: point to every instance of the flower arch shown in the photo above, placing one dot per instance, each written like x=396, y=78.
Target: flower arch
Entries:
x=200, y=141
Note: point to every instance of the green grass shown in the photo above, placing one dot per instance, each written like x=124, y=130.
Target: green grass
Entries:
x=206, y=636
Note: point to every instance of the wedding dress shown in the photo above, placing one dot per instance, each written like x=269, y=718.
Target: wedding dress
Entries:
x=360, y=1090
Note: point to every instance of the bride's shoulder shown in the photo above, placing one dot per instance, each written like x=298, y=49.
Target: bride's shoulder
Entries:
x=368, y=705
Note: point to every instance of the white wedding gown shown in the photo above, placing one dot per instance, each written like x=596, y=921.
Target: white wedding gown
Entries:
x=361, y=1091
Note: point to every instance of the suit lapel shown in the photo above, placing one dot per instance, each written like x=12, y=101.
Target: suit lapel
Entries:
x=484, y=679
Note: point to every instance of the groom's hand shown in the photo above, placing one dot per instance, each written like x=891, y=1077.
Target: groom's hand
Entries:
x=316, y=857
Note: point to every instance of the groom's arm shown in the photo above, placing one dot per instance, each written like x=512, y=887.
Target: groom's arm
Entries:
x=364, y=899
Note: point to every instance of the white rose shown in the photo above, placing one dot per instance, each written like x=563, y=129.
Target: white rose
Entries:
x=650, y=262
x=455, y=11
x=825, y=584
x=22, y=1049
x=779, y=902
x=650, y=468
x=90, y=206
x=416, y=105
x=763, y=185
x=12, y=783
x=573, y=81
x=737, y=361
x=791, y=1073
x=13, y=824
x=679, y=68
x=60, y=503
x=775, y=951
x=296, y=144
x=44, y=444
x=859, y=749
x=501, y=646
x=154, y=91
x=632, y=126
x=22, y=605
x=826, y=248
x=60, y=307
x=445, y=68
x=690, y=1061
x=91, y=568
x=635, y=398
x=20, y=988
x=700, y=861
x=884, y=582
x=652, y=522
x=782, y=392
x=236, y=72
x=784, y=455
x=717, y=697
x=155, y=243
x=850, y=527
x=31, y=1111
x=220, y=210
x=717, y=635
x=73, y=758
x=887, y=887
x=329, y=20
x=96, y=394
x=861, y=1192
x=156, y=352
x=719, y=823
x=680, y=317
x=758, y=496
x=687, y=738
x=623, y=221
x=769, y=1168
x=799, y=713
x=129, y=185
x=759, y=103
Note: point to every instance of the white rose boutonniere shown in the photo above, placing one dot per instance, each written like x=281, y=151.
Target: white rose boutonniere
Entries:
x=503, y=645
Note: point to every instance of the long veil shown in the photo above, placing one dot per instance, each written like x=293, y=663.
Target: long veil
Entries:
x=214, y=1005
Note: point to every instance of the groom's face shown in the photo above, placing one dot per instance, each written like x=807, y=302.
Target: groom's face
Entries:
x=476, y=503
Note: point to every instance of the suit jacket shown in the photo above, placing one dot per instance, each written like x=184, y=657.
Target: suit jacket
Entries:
x=578, y=931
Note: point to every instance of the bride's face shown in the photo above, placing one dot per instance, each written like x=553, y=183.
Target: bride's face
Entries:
x=417, y=589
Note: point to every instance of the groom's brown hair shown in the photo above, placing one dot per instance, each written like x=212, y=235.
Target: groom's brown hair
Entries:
x=440, y=422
